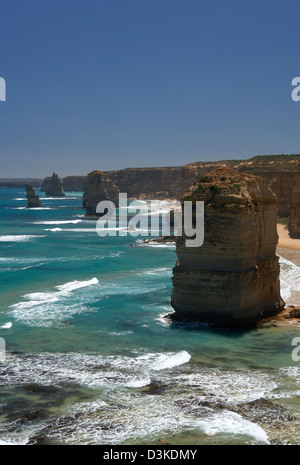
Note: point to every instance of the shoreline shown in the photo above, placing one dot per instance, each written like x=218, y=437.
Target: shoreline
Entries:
x=284, y=240
x=287, y=247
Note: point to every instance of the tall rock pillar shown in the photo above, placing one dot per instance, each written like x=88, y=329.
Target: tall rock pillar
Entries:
x=33, y=200
x=232, y=280
x=98, y=187
x=54, y=188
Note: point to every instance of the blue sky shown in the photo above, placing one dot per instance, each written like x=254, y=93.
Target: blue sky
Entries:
x=109, y=84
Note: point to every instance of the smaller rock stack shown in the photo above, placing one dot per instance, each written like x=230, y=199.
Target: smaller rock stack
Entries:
x=294, y=221
x=33, y=200
x=54, y=187
x=97, y=188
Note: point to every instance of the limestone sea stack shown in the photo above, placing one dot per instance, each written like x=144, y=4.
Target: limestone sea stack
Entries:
x=232, y=280
x=97, y=188
x=54, y=187
x=33, y=200
x=294, y=221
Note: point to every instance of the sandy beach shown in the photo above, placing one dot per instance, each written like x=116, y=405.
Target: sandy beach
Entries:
x=289, y=249
x=285, y=240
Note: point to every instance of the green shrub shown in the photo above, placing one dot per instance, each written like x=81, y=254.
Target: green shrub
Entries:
x=205, y=178
x=214, y=189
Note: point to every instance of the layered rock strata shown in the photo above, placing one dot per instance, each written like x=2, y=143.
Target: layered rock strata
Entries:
x=281, y=171
x=294, y=220
x=33, y=200
x=54, y=187
x=97, y=188
x=74, y=183
x=232, y=280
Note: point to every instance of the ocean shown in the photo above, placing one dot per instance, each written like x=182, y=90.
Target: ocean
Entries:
x=90, y=358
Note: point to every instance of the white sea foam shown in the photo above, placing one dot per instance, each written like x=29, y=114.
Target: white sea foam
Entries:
x=21, y=260
x=25, y=208
x=228, y=422
x=58, y=222
x=57, y=198
x=116, y=333
x=159, y=271
x=169, y=360
x=93, y=230
x=6, y=325
x=132, y=416
x=152, y=243
x=289, y=279
x=119, y=370
x=19, y=238
x=14, y=443
x=51, y=307
x=232, y=385
x=162, y=317
x=64, y=289
x=71, y=286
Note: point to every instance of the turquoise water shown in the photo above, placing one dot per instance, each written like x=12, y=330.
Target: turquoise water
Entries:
x=90, y=358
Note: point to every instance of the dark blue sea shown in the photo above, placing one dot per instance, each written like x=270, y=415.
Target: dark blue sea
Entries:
x=91, y=359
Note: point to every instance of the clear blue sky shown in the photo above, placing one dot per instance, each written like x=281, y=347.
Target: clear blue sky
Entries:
x=108, y=84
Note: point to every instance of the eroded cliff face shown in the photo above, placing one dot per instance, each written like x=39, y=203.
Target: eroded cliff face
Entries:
x=70, y=183
x=281, y=171
x=45, y=183
x=33, y=200
x=149, y=183
x=158, y=183
x=97, y=188
x=73, y=183
x=294, y=221
x=233, y=278
x=54, y=187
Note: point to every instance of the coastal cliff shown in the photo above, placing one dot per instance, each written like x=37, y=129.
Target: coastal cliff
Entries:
x=54, y=187
x=281, y=171
x=149, y=183
x=233, y=278
x=73, y=183
x=70, y=183
x=33, y=200
x=98, y=187
x=294, y=220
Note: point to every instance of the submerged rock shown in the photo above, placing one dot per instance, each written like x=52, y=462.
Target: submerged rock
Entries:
x=33, y=200
x=232, y=280
x=161, y=240
x=97, y=188
x=54, y=187
x=295, y=313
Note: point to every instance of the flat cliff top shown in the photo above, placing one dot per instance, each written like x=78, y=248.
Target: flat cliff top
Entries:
x=96, y=173
x=228, y=186
x=264, y=163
